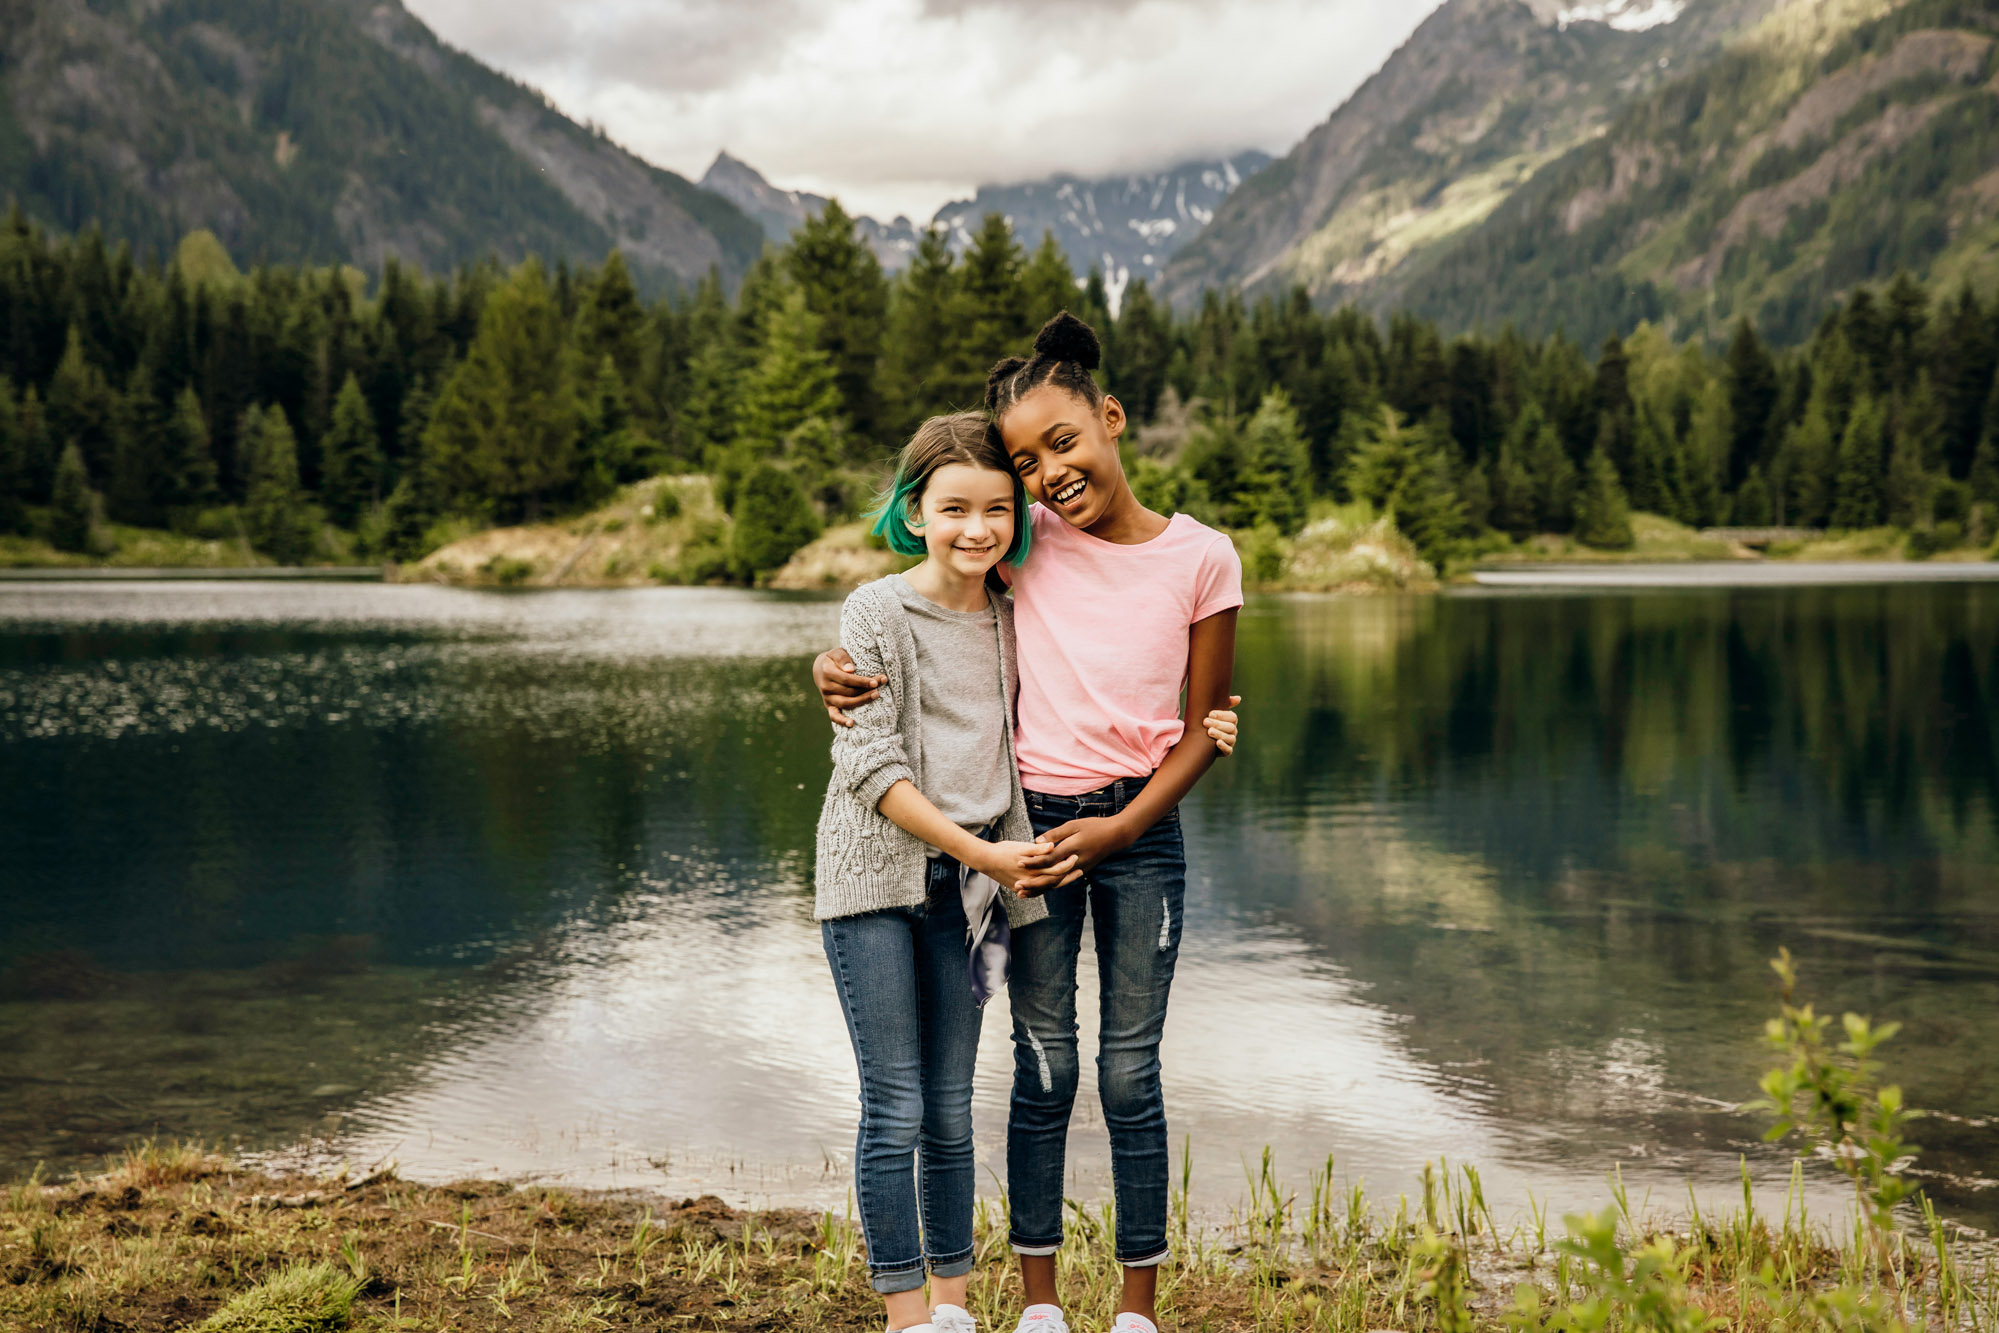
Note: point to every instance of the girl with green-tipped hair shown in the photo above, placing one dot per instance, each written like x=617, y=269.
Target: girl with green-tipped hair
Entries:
x=923, y=840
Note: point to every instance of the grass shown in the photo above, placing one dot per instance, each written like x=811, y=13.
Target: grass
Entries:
x=660, y=530
x=132, y=548
x=1346, y=549
x=173, y=1237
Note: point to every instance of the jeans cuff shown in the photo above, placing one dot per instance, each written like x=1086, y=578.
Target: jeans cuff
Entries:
x=1149, y=1261
x=1035, y=1248
x=888, y=1281
x=956, y=1265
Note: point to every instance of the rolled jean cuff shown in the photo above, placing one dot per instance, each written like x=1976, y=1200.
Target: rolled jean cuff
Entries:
x=1035, y=1248
x=888, y=1281
x=1150, y=1261
x=956, y=1265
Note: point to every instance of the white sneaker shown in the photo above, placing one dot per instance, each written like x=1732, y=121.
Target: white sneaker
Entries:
x=953, y=1319
x=1042, y=1319
x=1134, y=1323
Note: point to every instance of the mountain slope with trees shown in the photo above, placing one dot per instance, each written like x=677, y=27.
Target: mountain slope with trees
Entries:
x=325, y=131
x=1482, y=95
x=1835, y=145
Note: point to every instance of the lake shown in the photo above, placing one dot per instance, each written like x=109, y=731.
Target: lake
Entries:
x=519, y=883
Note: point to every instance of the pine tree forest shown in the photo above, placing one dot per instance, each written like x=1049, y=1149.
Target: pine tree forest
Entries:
x=327, y=415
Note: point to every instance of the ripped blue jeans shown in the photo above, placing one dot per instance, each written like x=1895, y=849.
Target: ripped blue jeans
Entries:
x=1134, y=901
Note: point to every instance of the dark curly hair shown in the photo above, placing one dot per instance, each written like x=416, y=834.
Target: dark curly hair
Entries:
x=1066, y=352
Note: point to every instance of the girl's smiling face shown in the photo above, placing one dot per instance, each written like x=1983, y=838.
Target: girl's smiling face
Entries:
x=1066, y=451
x=968, y=518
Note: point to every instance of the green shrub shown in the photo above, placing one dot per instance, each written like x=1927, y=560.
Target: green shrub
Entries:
x=507, y=571
x=304, y=1298
x=1926, y=542
x=773, y=519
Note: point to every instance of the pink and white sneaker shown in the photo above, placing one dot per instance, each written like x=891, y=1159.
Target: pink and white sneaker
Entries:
x=1042, y=1319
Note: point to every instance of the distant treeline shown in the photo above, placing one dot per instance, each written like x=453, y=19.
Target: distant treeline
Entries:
x=318, y=417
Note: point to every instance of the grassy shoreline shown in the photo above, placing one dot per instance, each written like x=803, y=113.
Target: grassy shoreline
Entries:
x=672, y=531
x=173, y=1237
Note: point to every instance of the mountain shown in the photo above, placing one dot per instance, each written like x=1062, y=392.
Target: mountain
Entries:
x=1124, y=227
x=324, y=131
x=1834, y=145
x=1483, y=95
x=781, y=212
x=1588, y=166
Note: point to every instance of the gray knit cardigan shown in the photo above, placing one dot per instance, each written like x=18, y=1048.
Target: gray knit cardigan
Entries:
x=865, y=862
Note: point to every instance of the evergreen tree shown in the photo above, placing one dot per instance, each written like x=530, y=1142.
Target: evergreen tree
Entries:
x=995, y=306
x=1135, y=368
x=1653, y=474
x=276, y=516
x=1704, y=457
x=1908, y=486
x=611, y=451
x=1048, y=284
x=842, y=284
x=1603, y=517
x=1554, y=477
x=35, y=449
x=1811, y=465
x=139, y=455
x=73, y=520
x=1278, y=481
x=1752, y=395
x=1215, y=458
x=1857, y=492
x=1511, y=491
x=192, y=480
x=82, y=407
x=1752, y=501
x=14, y=465
x=792, y=381
x=610, y=321
x=504, y=428
x=773, y=519
x=1615, y=410
x=351, y=458
x=708, y=420
x=1984, y=476
x=1406, y=473
x=921, y=357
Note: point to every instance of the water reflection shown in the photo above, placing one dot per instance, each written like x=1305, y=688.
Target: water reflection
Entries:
x=519, y=883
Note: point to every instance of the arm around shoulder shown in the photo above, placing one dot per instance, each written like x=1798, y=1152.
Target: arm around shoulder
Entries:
x=869, y=757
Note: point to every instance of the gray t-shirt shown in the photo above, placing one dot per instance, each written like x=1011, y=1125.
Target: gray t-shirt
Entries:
x=964, y=718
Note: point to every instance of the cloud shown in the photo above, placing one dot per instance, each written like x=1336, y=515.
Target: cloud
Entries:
x=902, y=105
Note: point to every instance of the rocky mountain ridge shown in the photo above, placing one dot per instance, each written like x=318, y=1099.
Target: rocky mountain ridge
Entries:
x=1123, y=226
x=324, y=131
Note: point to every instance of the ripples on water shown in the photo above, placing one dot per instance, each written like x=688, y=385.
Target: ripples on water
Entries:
x=519, y=882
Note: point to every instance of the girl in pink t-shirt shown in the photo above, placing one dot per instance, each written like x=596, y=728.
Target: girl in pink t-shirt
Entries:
x=1119, y=610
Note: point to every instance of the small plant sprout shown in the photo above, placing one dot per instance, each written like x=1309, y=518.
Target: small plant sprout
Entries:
x=1830, y=1095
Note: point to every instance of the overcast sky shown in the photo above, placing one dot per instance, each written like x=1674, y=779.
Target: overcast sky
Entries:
x=899, y=106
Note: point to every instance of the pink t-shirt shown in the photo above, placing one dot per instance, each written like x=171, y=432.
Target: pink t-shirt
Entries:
x=1103, y=634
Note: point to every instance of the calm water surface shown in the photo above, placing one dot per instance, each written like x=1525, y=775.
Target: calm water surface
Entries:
x=519, y=883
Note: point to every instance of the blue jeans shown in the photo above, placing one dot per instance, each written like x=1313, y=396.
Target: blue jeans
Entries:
x=1134, y=901
x=905, y=987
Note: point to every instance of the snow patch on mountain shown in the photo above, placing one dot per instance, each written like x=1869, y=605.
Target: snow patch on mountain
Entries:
x=1623, y=15
x=1124, y=227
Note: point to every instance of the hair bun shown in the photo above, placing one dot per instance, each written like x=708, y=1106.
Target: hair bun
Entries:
x=1003, y=370
x=1066, y=338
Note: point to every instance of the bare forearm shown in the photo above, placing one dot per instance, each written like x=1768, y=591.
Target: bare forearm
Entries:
x=1177, y=773
x=911, y=811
